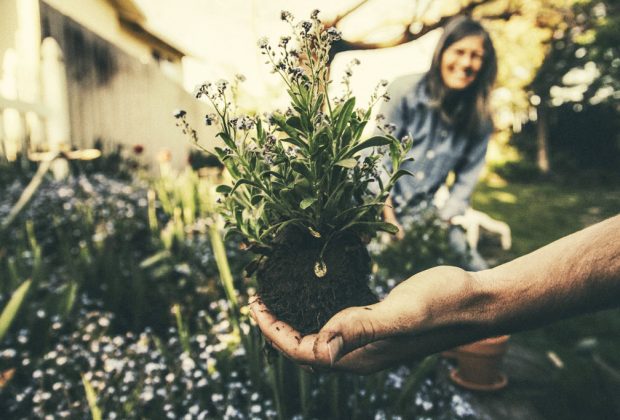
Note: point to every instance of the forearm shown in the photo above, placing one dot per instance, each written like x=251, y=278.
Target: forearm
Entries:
x=577, y=274
x=446, y=306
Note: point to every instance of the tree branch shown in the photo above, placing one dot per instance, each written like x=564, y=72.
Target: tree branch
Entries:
x=334, y=22
x=408, y=36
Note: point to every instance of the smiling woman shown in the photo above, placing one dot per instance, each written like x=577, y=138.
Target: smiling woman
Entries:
x=446, y=112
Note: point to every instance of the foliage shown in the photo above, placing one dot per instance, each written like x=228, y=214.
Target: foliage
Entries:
x=187, y=351
x=586, y=39
x=425, y=245
x=302, y=167
x=12, y=307
x=110, y=237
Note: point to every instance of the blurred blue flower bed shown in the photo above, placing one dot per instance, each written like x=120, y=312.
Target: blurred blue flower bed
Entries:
x=126, y=314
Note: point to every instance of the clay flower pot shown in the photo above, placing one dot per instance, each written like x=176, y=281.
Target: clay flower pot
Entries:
x=479, y=364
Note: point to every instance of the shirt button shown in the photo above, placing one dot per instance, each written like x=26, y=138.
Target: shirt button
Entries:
x=420, y=175
x=443, y=133
x=430, y=154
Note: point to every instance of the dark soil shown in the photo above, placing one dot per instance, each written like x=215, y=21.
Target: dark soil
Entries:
x=290, y=289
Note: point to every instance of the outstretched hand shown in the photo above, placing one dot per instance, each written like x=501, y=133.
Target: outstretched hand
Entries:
x=356, y=349
x=369, y=338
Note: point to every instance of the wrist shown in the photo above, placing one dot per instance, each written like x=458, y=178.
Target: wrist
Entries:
x=455, y=298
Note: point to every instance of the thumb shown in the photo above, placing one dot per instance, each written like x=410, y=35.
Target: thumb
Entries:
x=346, y=331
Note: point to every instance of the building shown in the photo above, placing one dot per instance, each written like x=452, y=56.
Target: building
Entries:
x=76, y=73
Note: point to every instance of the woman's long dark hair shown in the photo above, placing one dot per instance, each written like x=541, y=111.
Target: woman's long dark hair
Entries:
x=467, y=110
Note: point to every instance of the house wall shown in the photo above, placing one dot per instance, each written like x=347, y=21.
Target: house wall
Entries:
x=8, y=25
x=117, y=99
x=101, y=18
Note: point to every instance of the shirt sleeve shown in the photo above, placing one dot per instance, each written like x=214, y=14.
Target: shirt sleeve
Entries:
x=466, y=171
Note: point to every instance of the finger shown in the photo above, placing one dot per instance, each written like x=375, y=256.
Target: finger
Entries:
x=376, y=356
x=282, y=336
x=348, y=330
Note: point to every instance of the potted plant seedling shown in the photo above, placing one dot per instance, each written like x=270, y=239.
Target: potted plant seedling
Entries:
x=307, y=192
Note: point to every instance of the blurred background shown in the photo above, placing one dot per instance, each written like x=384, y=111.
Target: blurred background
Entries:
x=114, y=302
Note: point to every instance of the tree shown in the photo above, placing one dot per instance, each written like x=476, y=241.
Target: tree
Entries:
x=582, y=66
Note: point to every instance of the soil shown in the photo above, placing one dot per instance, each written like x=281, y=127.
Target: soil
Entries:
x=291, y=290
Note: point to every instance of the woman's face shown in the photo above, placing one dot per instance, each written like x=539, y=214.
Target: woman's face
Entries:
x=461, y=62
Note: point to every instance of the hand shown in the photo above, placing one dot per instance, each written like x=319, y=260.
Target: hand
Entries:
x=374, y=337
x=362, y=354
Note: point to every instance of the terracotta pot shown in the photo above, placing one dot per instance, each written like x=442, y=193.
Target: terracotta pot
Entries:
x=479, y=364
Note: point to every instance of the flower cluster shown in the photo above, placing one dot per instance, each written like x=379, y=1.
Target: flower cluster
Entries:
x=135, y=375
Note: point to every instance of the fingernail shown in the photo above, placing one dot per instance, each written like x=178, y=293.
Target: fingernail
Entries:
x=333, y=348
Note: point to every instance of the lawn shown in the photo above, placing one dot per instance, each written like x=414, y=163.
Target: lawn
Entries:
x=588, y=346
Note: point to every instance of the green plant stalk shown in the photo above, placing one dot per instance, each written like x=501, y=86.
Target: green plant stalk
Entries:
x=414, y=379
x=152, y=214
x=277, y=391
x=221, y=260
x=37, y=264
x=182, y=329
x=334, y=401
x=304, y=391
x=91, y=397
x=251, y=344
x=68, y=298
x=28, y=192
x=11, y=309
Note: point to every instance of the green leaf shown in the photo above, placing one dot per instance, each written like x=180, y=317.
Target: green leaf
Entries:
x=245, y=182
x=294, y=122
x=344, y=115
x=399, y=173
x=374, y=226
x=256, y=199
x=227, y=140
x=302, y=169
x=347, y=163
x=267, y=174
x=356, y=213
x=307, y=202
x=223, y=189
x=357, y=132
x=154, y=259
x=296, y=142
x=371, y=142
x=279, y=226
x=91, y=397
x=11, y=308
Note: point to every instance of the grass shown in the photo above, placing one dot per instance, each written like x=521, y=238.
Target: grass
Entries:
x=539, y=214
x=543, y=212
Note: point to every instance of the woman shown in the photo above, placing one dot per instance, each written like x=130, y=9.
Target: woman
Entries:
x=446, y=112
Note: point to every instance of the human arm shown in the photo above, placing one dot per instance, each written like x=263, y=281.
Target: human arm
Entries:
x=446, y=306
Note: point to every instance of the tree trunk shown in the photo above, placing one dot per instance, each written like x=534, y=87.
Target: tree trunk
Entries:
x=542, y=140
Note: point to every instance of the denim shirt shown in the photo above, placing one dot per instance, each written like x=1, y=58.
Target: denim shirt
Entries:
x=437, y=149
